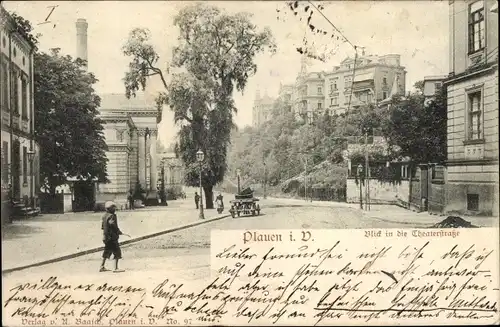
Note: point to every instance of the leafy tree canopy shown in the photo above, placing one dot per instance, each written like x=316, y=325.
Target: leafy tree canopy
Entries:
x=216, y=51
x=417, y=131
x=67, y=128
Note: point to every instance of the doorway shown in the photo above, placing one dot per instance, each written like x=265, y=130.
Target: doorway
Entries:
x=84, y=196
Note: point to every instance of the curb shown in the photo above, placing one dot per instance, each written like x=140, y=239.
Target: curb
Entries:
x=100, y=248
x=415, y=224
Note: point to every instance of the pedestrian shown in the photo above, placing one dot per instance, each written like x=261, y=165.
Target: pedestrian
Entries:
x=221, y=199
x=196, y=199
x=111, y=234
x=130, y=199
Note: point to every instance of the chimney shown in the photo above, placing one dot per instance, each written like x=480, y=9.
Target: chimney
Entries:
x=81, y=39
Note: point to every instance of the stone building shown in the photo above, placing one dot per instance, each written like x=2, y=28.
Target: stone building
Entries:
x=472, y=87
x=262, y=109
x=20, y=153
x=130, y=131
x=376, y=79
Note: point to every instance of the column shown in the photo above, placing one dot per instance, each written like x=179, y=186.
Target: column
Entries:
x=154, y=170
x=141, y=156
x=148, y=160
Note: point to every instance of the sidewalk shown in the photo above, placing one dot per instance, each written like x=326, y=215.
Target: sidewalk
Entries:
x=388, y=213
x=395, y=214
x=47, y=237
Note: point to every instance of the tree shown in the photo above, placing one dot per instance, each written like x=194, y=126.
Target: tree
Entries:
x=66, y=109
x=417, y=131
x=67, y=128
x=217, y=52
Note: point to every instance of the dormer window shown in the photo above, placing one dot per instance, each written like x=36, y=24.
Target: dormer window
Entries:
x=476, y=26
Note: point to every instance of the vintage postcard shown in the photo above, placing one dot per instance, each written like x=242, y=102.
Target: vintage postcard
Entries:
x=234, y=163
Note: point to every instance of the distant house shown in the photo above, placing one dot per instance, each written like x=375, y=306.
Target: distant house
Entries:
x=432, y=85
x=472, y=173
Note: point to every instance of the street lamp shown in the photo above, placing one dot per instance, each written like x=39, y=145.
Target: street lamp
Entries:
x=199, y=157
x=360, y=171
x=238, y=173
x=31, y=157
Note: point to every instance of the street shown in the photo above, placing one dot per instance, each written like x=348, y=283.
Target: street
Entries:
x=187, y=252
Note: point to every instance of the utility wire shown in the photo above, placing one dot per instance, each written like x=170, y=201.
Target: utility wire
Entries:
x=355, y=61
x=335, y=27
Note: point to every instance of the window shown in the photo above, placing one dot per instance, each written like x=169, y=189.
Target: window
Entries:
x=320, y=105
x=474, y=117
x=320, y=90
x=476, y=26
x=384, y=80
x=333, y=85
x=384, y=95
x=404, y=172
x=473, y=202
x=15, y=87
x=5, y=162
x=437, y=86
x=334, y=101
x=5, y=88
x=347, y=82
x=25, y=165
x=24, y=100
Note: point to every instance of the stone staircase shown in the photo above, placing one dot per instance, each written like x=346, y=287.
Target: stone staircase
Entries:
x=22, y=210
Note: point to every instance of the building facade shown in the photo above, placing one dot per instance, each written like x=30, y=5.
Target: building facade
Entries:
x=472, y=87
x=20, y=153
x=375, y=79
x=130, y=130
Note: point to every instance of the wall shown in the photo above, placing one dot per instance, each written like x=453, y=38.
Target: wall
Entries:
x=386, y=193
x=457, y=106
x=459, y=58
x=473, y=167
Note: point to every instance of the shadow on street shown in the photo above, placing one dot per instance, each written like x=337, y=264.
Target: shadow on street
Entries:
x=13, y=231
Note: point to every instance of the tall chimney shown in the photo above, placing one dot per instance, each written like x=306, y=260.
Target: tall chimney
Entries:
x=81, y=39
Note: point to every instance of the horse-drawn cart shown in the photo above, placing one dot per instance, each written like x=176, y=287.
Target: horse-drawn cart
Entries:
x=244, y=203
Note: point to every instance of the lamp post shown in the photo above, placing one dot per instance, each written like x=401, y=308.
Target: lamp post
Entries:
x=238, y=173
x=200, y=156
x=360, y=171
x=31, y=157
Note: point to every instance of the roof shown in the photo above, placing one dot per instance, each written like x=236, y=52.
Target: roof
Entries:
x=118, y=101
x=435, y=78
x=363, y=77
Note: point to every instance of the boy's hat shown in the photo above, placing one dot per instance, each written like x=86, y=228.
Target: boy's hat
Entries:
x=109, y=204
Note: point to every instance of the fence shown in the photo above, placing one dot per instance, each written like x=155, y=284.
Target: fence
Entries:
x=313, y=193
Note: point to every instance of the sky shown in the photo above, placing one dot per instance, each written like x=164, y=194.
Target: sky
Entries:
x=417, y=30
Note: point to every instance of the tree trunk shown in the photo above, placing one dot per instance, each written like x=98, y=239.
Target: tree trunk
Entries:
x=209, y=197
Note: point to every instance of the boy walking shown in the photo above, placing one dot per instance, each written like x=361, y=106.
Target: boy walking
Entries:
x=111, y=234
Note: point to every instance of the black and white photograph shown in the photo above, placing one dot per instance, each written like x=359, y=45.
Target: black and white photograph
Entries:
x=182, y=143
